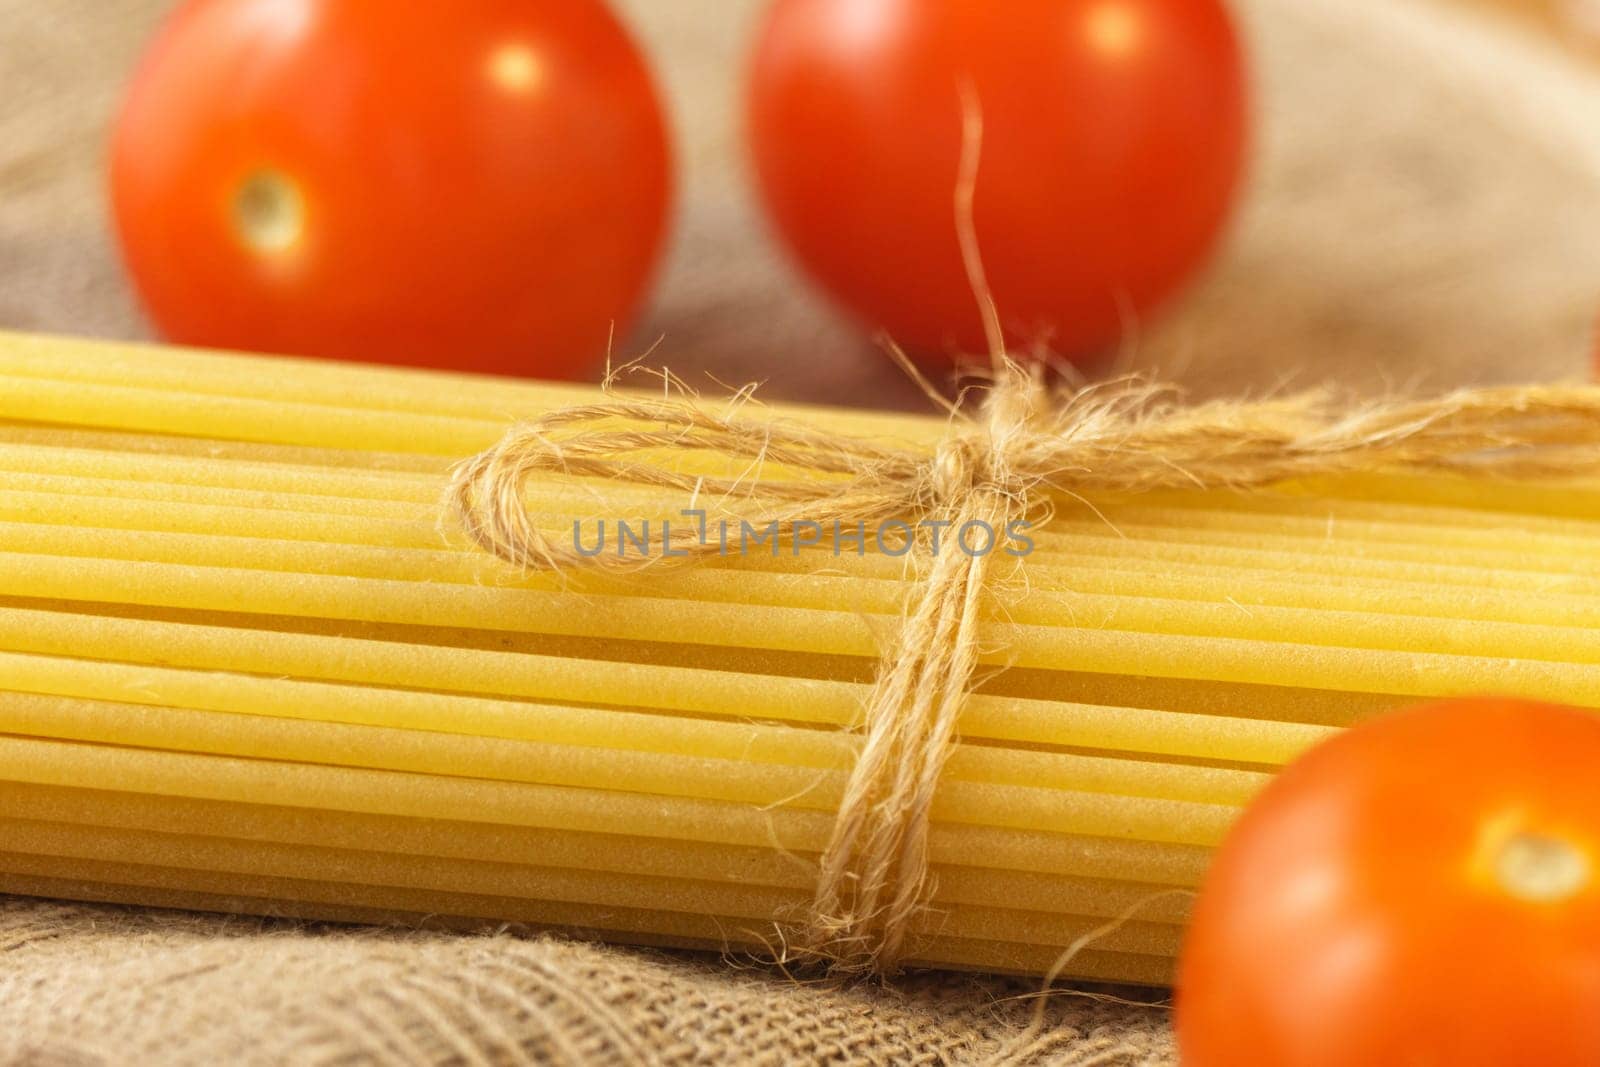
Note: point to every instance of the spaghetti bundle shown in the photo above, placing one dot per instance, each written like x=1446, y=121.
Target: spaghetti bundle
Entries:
x=245, y=667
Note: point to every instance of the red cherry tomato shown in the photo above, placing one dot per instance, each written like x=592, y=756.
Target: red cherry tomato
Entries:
x=1113, y=136
x=481, y=184
x=1424, y=889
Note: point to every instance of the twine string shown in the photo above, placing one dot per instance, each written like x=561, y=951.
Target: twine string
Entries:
x=1028, y=449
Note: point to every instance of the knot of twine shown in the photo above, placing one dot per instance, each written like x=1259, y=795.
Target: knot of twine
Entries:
x=1026, y=448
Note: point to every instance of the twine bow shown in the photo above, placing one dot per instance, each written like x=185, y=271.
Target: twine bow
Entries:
x=1026, y=448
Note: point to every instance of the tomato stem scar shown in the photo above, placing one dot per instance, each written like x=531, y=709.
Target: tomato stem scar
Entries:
x=1541, y=868
x=268, y=211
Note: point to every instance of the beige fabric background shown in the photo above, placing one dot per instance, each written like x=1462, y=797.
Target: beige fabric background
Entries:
x=1424, y=208
x=1423, y=204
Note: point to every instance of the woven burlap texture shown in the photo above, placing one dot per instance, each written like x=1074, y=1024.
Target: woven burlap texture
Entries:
x=88, y=984
x=1424, y=207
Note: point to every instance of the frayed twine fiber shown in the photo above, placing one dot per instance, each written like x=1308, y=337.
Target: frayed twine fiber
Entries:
x=1027, y=446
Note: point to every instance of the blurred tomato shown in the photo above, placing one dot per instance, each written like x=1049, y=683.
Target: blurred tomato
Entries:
x=1424, y=889
x=480, y=184
x=1113, y=137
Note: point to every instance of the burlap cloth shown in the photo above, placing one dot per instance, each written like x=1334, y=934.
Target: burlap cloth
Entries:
x=1425, y=207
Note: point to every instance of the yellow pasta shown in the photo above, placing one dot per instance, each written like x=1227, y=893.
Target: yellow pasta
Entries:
x=244, y=665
